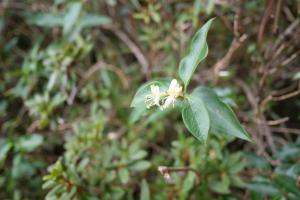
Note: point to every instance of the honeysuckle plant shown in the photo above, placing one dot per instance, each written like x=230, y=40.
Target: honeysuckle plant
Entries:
x=202, y=110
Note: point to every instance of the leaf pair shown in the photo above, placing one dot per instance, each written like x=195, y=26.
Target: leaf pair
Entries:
x=205, y=113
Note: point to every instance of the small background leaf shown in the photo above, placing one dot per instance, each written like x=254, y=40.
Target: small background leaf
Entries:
x=198, y=51
x=287, y=184
x=93, y=20
x=71, y=16
x=29, y=143
x=145, y=193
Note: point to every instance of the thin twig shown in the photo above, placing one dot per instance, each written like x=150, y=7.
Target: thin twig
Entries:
x=277, y=14
x=264, y=21
x=225, y=61
x=165, y=171
x=285, y=130
x=273, y=122
x=140, y=56
x=101, y=64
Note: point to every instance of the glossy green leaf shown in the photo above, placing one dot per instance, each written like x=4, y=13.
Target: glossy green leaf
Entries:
x=196, y=118
x=198, y=51
x=139, y=98
x=222, y=118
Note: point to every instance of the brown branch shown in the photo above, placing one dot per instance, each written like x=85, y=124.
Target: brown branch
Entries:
x=286, y=130
x=272, y=97
x=135, y=49
x=262, y=127
x=273, y=122
x=288, y=13
x=264, y=21
x=288, y=31
x=286, y=96
x=249, y=94
x=101, y=64
x=225, y=61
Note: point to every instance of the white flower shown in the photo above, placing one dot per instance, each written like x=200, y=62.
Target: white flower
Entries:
x=169, y=101
x=153, y=98
x=156, y=98
x=174, y=91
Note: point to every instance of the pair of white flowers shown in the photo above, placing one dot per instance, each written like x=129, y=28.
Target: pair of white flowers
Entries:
x=163, y=99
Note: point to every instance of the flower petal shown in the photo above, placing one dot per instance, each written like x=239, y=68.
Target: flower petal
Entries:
x=173, y=84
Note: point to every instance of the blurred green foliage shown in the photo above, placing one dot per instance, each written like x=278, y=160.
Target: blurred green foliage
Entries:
x=281, y=182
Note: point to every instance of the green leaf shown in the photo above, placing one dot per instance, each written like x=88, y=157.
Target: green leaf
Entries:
x=139, y=98
x=297, y=76
x=160, y=114
x=54, y=191
x=29, y=143
x=198, y=51
x=237, y=181
x=265, y=188
x=70, y=194
x=136, y=114
x=221, y=186
x=116, y=193
x=257, y=161
x=196, y=118
x=123, y=175
x=289, y=151
x=71, y=16
x=5, y=147
x=145, y=193
x=46, y=20
x=140, y=165
x=48, y=184
x=21, y=167
x=222, y=118
x=236, y=164
x=287, y=183
x=138, y=155
x=188, y=185
x=93, y=20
